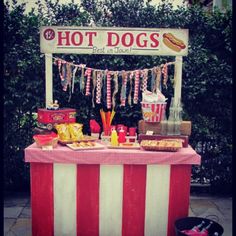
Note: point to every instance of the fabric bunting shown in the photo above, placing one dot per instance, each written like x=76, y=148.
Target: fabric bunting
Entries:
x=136, y=86
x=88, y=74
x=123, y=89
x=108, y=89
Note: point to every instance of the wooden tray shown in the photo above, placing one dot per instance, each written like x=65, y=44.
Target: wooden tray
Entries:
x=85, y=139
x=97, y=146
x=159, y=147
x=125, y=146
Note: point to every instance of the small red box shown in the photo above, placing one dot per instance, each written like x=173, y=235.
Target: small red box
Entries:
x=49, y=118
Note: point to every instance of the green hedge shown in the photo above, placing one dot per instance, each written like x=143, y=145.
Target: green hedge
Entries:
x=207, y=77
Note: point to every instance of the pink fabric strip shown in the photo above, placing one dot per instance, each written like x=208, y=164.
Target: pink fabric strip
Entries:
x=63, y=154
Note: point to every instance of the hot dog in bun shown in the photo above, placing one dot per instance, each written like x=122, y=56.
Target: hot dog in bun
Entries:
x=172, y=42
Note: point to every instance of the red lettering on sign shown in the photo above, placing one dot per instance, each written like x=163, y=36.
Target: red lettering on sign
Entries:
x=138, y=40
x=110, y=37
x=90, y=37
x=129, y=37
x=77, y=41
x=154, y=38
x=65, y=38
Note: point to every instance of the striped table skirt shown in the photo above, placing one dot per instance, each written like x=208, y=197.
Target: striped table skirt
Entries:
x=108, y=200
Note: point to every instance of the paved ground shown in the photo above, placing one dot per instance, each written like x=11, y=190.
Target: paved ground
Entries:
x=17, y=213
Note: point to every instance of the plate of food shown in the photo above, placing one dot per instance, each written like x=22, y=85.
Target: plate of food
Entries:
x=85, y=145
x=127, y=145
x=170, y=145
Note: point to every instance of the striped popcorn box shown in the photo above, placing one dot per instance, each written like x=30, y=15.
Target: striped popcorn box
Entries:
x=153, y=112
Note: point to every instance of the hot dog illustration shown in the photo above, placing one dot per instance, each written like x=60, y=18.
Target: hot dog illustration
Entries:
x=173, y=43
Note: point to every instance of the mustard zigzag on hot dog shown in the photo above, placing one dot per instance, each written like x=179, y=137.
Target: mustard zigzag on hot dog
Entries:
x=172, y=42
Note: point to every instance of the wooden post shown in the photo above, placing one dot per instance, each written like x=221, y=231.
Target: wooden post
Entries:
x=48, y=78
x=178, y=79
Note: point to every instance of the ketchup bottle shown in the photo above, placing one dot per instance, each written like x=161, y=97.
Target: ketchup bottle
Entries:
x=121, y=136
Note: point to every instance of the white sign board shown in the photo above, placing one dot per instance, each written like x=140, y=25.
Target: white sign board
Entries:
x=114, y=41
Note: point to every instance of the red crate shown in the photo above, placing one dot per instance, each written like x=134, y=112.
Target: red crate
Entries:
x=52, y=117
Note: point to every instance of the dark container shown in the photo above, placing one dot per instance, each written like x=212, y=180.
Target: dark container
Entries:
x=190, y=222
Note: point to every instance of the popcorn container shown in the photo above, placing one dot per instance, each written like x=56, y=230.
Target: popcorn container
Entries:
x=153, y=112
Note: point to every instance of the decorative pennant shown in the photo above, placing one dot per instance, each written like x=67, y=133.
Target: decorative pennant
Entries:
x=136, y=86
x=108, y=89
x=88, y=74
x=123, y=88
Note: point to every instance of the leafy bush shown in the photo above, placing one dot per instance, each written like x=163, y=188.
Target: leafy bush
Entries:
x=207, y=77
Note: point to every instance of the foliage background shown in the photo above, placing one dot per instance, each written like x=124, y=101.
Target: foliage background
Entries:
x=207, y=77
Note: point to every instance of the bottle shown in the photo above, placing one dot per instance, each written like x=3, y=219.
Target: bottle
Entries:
x=164, y=126
x=197, y=227
x=114, y=138
x=171, y=120
x=178, y=118
x=121, y=136
x=205, y=229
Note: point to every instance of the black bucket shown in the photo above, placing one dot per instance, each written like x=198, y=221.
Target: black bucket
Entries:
x=190, y=222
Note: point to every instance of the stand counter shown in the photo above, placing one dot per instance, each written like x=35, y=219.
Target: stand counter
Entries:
x=110, y=192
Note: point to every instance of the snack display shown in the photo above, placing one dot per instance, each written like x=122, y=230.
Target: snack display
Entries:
x=63, y=132
x=171, y=145
x=43, y=140
x=173, y=43
x=75, y=130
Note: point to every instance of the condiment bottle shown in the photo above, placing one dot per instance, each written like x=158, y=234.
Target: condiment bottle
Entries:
x=114, y=138
x=121, y=138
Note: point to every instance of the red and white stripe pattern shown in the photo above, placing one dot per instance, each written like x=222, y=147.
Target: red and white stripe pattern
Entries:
x=108, y=200
x=123, y=90
x=108, y=89
x=136, y=86
x=88, y=74
x=98, y=88
x=157, y=108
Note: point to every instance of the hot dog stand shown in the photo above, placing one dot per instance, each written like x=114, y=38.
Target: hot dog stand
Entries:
x=109, y=191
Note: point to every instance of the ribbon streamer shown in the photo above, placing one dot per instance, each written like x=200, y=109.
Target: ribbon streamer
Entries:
x=145, y=78
x=88, y=74
x=94, y=85
x=136, y=86
x=82, y=79
x=153, y=79
x=108, y=89
x=131, y=85
x=98, y=88
x=115, y=79
x=123, y=88
x=165, y=74
x=158, y=79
